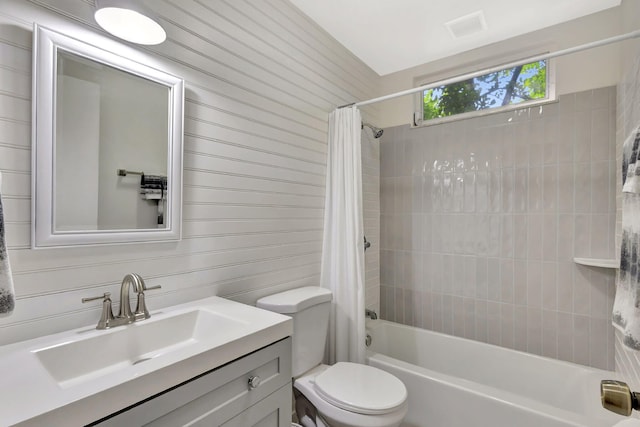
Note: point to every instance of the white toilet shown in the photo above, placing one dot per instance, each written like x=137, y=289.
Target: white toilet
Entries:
x=345, y=394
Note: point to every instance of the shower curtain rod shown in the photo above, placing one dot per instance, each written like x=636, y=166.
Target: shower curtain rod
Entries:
x=474, y=74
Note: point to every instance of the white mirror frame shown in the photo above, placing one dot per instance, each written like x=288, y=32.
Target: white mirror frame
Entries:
x=43, y=234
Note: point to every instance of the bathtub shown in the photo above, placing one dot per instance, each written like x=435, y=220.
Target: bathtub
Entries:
x=455, y=382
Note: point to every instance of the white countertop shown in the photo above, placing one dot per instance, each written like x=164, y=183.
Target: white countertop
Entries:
x=31, y=396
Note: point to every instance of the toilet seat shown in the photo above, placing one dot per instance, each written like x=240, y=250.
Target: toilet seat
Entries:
x=360, y=388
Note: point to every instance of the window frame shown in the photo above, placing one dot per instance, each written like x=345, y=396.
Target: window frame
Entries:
x=420, y=121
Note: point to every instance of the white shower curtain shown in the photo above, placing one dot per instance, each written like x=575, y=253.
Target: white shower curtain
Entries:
x=343, y=243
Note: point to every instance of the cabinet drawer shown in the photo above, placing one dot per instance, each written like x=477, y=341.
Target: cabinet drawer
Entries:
x=216, y=396
x=274, y=411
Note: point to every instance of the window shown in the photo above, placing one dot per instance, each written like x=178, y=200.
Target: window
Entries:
x=521, y=85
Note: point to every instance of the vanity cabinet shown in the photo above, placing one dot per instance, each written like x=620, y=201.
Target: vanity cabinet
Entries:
x=223, y=396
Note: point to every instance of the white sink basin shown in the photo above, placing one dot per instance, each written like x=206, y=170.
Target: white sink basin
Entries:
x=85, y=359
x=78, y=376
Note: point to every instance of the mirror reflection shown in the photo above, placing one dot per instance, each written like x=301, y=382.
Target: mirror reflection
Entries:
x=111, y=147
x=107, y=151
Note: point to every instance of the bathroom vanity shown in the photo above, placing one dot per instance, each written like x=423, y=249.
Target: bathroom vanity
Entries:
x=207, y=362
x=254, y=390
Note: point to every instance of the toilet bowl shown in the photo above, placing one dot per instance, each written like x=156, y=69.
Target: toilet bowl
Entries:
x=380, y=401
x=345, y=394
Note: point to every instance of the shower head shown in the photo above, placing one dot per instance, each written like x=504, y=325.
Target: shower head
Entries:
x=377, y=132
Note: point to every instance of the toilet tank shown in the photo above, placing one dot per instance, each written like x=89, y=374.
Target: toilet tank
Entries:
x=309, y=307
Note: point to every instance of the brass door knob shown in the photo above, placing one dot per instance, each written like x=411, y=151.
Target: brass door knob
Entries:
x=617, y=397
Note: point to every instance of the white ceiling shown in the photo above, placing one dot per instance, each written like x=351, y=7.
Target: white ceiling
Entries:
x=393, y=35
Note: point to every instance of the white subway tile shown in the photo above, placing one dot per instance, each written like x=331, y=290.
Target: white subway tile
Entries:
x=565, y=237
x=550, y=238
x=582, y=129
x=599, y=245
x=481, y=320
x=600, y=134
x=550, y=189
x=565, y=336
x=600, y=196
x=549, y=286
x=507, y=237
x=507, y=326
x=520, y=328
x=582, y=236
x=521, y=190
x=581, y=290
x=520, y=282
x=581, y=333
x=565, y=286
x=447, y=314
x=493, y=323
x=534, y=236
x=550, y=334
x=534, y=284
x=506, y=280
x=534, y=330
x=598, y=342
x=520, y=233
x=508, y=192
x=482, y=285
x=458, y=316
x=427, y=310
x=469, y=318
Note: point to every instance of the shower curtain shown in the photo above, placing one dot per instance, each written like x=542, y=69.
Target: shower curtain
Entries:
x=626, y=306
x=342, y=269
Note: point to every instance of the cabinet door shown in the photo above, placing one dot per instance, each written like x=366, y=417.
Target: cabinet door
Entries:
x=217, y=396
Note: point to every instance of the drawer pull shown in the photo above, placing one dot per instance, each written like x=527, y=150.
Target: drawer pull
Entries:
x=254, y=381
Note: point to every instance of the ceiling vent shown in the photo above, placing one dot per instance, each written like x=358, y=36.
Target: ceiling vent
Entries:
x=467, y=25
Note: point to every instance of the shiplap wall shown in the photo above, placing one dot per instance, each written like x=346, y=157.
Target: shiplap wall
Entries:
x=260, y=81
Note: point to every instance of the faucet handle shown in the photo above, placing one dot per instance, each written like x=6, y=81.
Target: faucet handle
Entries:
x=107, y=313
x=105, y=296
x=141, y=310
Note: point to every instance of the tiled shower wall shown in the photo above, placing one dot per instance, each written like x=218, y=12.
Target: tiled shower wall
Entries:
x=481, y=220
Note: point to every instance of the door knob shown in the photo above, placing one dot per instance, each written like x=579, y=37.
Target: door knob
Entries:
x=617, y=397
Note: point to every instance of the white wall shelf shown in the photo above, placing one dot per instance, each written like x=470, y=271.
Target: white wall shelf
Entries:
x=598, y=262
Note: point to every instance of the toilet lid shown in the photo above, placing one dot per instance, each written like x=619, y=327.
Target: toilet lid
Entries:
x=360, y=388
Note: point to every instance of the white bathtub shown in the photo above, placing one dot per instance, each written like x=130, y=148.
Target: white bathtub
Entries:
x=455, y=382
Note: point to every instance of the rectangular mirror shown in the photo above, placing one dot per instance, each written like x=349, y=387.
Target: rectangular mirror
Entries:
x=107, y=152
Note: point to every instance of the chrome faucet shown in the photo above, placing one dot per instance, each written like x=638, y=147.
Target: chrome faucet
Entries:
x=135, y=281
x=125, y=316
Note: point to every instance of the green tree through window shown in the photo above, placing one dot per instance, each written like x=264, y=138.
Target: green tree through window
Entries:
x=506, y=87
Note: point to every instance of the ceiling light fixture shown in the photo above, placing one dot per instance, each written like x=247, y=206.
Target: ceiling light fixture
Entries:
x=129, y=20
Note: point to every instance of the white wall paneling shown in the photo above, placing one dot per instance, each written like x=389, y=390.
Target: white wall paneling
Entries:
x=260, y=81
